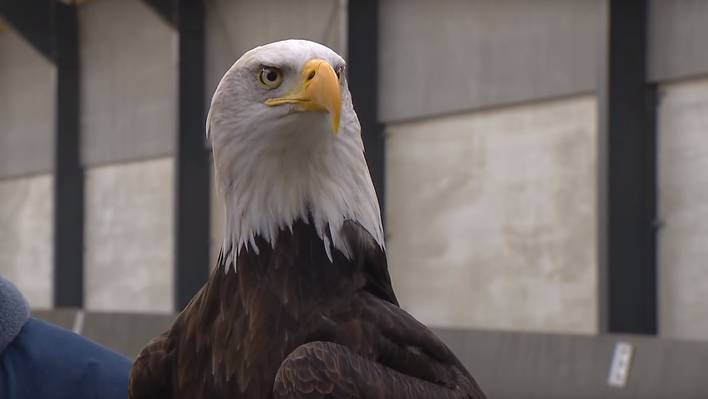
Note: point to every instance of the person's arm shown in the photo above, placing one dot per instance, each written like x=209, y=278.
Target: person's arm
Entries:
x=46, y=361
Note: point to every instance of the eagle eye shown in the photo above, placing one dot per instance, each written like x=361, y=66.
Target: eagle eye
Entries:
x=270, y=77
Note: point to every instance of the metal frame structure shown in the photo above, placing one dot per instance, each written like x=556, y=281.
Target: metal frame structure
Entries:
x=52, y=28
x=627, y=176
x=627, y=164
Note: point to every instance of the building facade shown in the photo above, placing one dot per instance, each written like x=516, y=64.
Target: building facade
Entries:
x=497, y=135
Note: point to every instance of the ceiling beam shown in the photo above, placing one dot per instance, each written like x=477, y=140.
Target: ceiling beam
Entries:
x=33, y=20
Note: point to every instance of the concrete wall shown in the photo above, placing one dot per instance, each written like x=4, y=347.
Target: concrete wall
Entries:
x=506, y=364
x=520, y=365
x=491, y=217
x=128, y=56
x=26, y=108
x=438, y=57
x=26, y=236
x=490, y=207
x=683, y=209
x=129, y=236
x=677, y=39
x=26, y=155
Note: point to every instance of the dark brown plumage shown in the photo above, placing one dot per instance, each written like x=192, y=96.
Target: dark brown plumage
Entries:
x=293, y=324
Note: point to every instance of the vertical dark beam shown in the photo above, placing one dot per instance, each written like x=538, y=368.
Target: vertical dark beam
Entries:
x=68, y=175
x=627, y=104
x=363, y=51
x=52, y=28
x=192, y=166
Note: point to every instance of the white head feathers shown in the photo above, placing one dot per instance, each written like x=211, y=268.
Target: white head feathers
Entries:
x=275, y=164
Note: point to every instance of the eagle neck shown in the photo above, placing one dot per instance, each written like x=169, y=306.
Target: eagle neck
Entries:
x=300, y=177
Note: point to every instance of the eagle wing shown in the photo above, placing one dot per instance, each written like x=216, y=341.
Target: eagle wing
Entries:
x=151, y=375
x=381, y=353
x=371, y=260
x=328, y=370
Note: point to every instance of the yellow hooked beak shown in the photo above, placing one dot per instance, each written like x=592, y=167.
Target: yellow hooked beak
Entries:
x=318, y=90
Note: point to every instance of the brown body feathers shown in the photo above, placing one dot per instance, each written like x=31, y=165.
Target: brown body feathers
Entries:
x=290, y=323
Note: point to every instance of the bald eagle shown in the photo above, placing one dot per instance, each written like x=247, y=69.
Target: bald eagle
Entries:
x=300, y=304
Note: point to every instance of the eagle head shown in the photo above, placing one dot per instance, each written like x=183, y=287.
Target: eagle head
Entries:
x=287, y=146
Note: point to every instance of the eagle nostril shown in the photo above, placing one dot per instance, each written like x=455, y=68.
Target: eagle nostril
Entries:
x=311, y=75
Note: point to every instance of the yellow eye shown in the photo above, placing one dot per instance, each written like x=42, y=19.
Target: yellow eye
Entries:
x=270, y=77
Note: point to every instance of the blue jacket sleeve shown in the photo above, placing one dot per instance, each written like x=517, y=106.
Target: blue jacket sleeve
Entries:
x=47, y=361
